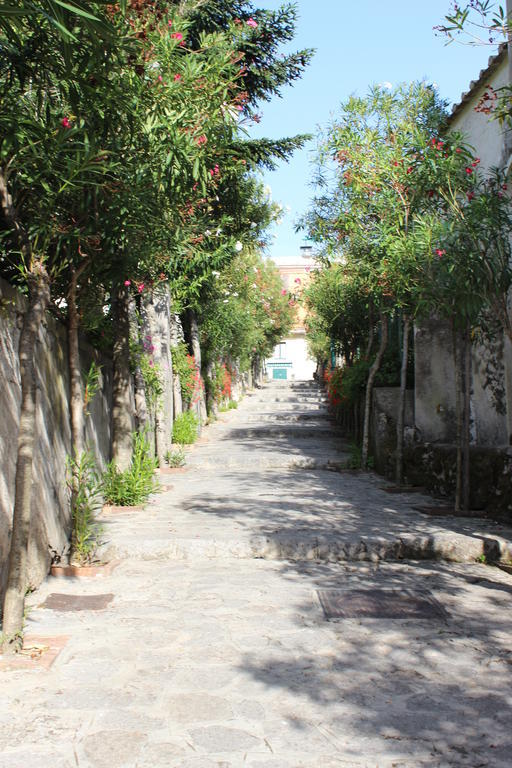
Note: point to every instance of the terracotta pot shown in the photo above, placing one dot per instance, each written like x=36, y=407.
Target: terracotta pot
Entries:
x=84, y=571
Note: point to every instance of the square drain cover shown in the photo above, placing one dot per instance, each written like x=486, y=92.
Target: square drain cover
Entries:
x=378, y=604
x=58, y=601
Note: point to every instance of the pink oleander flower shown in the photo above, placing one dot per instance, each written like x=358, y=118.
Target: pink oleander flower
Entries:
x=177, y=36
x=284, y=292
x=169, y=23
x=251, y=23
x=177, y=78
x=65, y=122
x=140, y=288
x=297, y=280
x=440, y=252
x=127, y=283
x=201, y=140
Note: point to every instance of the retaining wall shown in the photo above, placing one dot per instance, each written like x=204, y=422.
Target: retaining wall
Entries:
x=50, y=499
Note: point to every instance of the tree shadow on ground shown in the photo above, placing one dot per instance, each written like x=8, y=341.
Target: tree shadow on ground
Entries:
x=432, y=692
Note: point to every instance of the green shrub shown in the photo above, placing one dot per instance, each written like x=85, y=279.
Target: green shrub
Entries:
x=133, y=486
x=85, y=485
x=184, y=430
x=175, y=457
x=229, y=406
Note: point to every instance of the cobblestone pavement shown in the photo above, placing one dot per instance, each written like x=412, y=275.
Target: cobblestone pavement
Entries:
x=215, y=650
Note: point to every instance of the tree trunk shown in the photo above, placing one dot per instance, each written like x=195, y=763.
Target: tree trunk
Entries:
x=141, y=406
x=457, y=354
x=14, y=601
x=76, y=404
x=196, y=351
x=370, y=332
x=177, y=398
x=158, y=319
x=122, y=404
x=466, y=436
x=369, y=388
x=399, y=467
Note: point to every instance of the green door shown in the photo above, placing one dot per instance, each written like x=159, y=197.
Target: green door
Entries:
x=279, y=373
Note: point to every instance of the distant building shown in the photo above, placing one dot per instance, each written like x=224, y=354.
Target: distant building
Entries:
x=291, y=359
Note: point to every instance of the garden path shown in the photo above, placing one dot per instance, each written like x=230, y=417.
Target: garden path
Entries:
x=215, y=650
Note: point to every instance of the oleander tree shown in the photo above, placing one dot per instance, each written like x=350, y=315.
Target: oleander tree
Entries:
x=370, y=190
x=122, y=148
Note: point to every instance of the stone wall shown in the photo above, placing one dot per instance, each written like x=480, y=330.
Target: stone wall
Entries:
x=50, y=501
x=433, y=465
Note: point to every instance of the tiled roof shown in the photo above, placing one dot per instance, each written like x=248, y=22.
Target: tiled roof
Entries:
x=483, y=80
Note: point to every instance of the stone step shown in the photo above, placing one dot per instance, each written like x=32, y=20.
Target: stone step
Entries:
x=291, y=416
x=271, y=461
x=451, y=547
x=287, y=399
x=282, y=431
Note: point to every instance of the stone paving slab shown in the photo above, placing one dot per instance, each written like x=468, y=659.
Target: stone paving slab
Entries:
x=234, y=664
x=215, y=652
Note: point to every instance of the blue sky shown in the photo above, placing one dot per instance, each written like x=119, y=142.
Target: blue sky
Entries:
x=357, y=44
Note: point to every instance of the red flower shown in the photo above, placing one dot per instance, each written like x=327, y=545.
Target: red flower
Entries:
x=65, y=122
x=440, y=252
x=458, y=150
x=469, y=171
x=430, y=193
x=475, y=162
x=177, y=78
x=177, y=36
x=395, y=163
x=470, y=196
x=409, y=170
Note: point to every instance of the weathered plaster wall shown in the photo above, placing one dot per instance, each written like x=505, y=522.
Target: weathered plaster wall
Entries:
x=434, y=392
x=492, y=367
x=50, y=507
x=491, y=400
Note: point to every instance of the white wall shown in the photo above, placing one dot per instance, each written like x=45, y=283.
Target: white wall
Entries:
x=294, y=351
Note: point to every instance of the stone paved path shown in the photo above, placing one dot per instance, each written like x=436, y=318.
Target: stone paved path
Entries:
x=215, y=650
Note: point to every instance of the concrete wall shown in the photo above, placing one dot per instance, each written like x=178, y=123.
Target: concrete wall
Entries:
x=50, y=502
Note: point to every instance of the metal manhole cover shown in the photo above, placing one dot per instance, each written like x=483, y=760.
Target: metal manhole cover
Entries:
x=61, y=602
x=378, y=604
